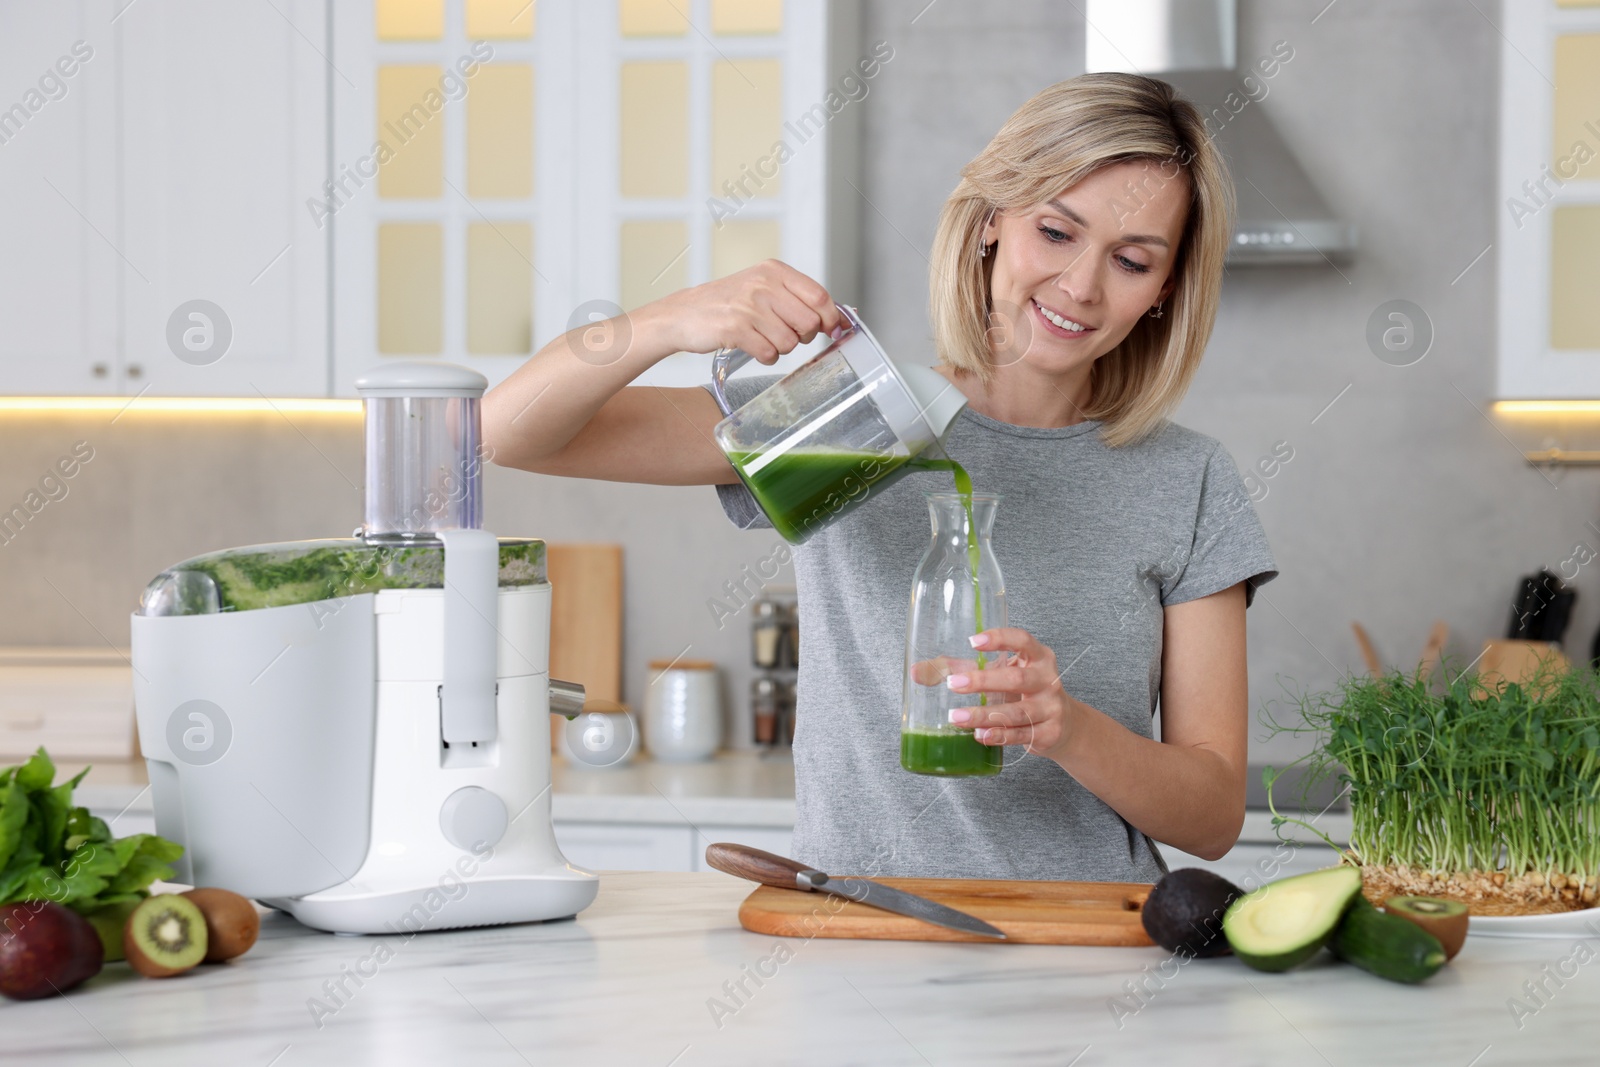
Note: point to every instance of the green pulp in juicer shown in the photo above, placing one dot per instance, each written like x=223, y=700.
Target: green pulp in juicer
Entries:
x=801, y=489
x=950, y=752
x=300, y=572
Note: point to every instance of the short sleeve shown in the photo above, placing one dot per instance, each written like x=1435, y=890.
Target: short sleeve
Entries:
x=1229, y=544
x=737, y=503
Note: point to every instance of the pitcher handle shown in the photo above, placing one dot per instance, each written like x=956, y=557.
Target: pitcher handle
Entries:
x=724, y=363
x=728, y=360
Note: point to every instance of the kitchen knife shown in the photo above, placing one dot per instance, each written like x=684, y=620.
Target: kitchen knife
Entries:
x=755, y=865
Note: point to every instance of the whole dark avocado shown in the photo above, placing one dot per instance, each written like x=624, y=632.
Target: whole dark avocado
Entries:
x=1184, y=912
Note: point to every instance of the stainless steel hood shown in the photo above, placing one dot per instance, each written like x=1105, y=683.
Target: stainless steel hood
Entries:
x=1192, y=44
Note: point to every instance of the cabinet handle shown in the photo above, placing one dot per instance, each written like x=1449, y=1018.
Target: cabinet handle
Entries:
x=100, y=370
x=135, y=370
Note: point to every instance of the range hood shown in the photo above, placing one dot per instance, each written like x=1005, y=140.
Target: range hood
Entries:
x=1191, y=44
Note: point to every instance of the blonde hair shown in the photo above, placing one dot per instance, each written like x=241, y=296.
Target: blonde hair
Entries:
x=1055, y=140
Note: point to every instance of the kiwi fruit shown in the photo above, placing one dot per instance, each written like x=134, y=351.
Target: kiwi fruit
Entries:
x=1445, y=919
x=232, y=922
x=165, y=935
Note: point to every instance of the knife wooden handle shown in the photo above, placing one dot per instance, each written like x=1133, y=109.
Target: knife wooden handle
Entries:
x=754, y=865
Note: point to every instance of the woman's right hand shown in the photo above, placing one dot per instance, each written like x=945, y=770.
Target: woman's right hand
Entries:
x=767, y=310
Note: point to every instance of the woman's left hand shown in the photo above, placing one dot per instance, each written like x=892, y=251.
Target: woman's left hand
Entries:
x=1036, y=710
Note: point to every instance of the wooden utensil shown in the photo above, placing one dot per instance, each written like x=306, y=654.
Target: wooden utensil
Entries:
x=586, y=621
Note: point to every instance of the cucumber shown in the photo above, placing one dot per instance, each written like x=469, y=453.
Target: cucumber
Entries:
x=1386, y=945
x=1285, y=923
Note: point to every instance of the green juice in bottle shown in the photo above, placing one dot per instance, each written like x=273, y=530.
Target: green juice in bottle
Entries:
x=952, y=750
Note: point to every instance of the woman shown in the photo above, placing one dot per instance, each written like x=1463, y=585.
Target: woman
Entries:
x=1075, y=279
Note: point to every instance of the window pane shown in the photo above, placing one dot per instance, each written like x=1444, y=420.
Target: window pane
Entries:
x=411, y=124
x=655, y=129
x=653, y=18
x=1575, y=277
x=736, y=245
x=410, y=20
x=655, y=260
x=746, y=119
x=746, y=16
x=410, y=288
x=499, y=288
x=500, y=132
x=500, y=19
x=1577, y=100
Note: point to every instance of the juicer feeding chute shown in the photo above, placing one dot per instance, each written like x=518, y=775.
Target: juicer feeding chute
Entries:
x=424, y=449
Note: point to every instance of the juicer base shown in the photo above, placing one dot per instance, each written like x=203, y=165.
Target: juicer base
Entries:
x=468, y=902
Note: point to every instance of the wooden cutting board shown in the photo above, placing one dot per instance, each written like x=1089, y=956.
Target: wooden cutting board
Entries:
x=1030, y=913
x=586, y=617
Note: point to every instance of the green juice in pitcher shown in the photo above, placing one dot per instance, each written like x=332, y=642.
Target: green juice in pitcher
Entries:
x=802, y=489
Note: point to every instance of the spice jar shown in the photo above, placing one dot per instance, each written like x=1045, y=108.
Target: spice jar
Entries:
x=765, y=706
x=766, y=633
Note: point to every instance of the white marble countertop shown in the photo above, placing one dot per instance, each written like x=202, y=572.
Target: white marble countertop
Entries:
x=634, y=979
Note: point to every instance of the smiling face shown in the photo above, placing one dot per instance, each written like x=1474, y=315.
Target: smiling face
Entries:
x=1076, y=273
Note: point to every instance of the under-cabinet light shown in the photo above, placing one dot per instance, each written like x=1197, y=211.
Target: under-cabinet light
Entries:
x=1547, y=407
x=201, y=405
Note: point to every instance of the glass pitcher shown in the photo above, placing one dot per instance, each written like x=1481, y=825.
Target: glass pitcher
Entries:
x=956, y=592
x=848, y=421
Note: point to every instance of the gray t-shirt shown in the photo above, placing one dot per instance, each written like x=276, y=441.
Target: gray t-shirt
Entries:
x=1092, y=542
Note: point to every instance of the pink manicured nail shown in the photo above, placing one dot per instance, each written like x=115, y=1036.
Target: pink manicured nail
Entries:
x=978, y=640
x=960, y=715
x=956, y=681
x=982, y=734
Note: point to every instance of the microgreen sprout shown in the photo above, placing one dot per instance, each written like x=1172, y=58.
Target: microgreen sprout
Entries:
x=1476, y=774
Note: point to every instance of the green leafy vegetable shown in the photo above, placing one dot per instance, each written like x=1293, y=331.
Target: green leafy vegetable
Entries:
x=1496, y=777
x=50, y=850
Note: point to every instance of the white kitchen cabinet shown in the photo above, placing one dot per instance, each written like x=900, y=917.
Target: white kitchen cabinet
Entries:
x=153, y=154
x=650, y=847
x=224, y=139
x=59, y=258
x=620, y=847
x=768, y=839
x=1548, y=218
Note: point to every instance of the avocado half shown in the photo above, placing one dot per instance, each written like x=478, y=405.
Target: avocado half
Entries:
x=1284, y=923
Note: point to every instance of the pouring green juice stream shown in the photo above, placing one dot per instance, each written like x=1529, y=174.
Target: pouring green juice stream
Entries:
x=801, y=486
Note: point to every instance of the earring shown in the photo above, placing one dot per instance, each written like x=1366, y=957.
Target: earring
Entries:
x=1155, y=312
x=983, y=250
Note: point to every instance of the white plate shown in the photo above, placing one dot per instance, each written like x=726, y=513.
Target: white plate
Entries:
x=1560, y=924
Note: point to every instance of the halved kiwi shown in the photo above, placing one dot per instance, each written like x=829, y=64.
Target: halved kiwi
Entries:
x=232, y=922
x=165, y=935
x=1445, y=919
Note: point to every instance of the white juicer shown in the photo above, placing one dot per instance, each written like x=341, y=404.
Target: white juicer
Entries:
x=357, y=730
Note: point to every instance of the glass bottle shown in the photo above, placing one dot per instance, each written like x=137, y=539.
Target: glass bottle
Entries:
x=956, y=592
